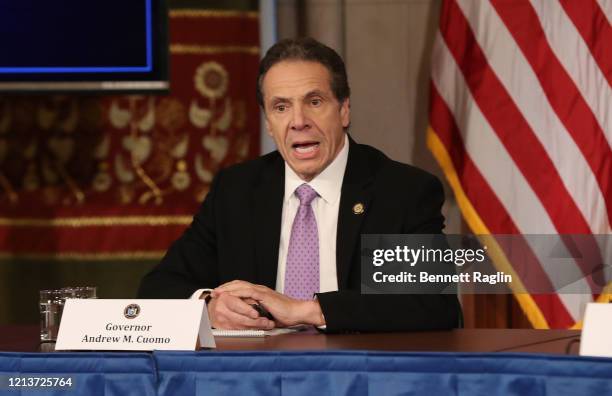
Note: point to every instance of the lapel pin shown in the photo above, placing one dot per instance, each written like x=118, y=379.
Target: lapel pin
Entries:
x=358, y=208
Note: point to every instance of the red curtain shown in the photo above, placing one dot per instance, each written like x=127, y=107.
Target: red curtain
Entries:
x=121, y=176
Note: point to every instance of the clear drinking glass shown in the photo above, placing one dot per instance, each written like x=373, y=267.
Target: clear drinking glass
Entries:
x=52, y=307
x=85, y=292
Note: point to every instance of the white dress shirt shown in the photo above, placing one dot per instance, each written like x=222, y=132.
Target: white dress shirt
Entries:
x=328, y=185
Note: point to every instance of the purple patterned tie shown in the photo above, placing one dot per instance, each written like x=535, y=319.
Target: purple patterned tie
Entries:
x=302, y=270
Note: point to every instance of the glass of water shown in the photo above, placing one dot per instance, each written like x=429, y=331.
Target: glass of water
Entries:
x=84, y=292
x=52, y=307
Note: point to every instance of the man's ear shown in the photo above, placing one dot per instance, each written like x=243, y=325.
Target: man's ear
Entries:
x=345, y=112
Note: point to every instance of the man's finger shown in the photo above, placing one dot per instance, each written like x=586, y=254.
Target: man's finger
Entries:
x=247, y=293
x=235, y=304
x=230, y=286
x=236, y=282
x=237, y=321
x=224, y=315
x=233, y=285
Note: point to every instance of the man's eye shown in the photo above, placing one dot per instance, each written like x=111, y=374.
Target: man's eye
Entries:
x=280, y=108
x=315, y=102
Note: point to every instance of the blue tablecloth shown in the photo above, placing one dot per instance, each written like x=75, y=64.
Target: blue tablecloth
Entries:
x=313, y=373
x=372, y=373
x=92, y=374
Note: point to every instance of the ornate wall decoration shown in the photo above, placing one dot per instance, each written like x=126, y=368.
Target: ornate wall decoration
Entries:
x=97, y=176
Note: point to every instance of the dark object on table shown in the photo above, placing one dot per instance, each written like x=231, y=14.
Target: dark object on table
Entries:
x=262, y=311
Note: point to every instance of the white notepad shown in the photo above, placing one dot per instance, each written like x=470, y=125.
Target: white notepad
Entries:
x=255, y=333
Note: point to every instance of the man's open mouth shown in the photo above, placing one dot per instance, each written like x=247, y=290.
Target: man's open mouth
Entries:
x=305, y=147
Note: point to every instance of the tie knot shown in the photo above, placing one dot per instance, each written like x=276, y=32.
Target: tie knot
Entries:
x=305, y=194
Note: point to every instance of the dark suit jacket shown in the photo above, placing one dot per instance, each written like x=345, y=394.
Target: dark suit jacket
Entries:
x=236, y=234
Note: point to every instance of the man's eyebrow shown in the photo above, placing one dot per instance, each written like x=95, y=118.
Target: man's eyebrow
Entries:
x=315, y=92
x=310, y=94
x=279, y=99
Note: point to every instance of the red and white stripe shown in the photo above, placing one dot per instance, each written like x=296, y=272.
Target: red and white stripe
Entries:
x=521, y=101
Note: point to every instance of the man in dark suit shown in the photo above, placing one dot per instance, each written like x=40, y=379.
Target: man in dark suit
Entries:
x=283, y=230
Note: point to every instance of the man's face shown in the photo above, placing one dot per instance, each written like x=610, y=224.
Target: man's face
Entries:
x=303, y=116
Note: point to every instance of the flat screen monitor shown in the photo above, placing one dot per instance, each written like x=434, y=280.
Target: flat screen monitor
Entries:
x=77, y=45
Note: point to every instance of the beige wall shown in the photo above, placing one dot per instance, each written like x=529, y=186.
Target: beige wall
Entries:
x=386, y=45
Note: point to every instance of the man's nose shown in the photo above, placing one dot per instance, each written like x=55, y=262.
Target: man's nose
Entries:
x=300, y=119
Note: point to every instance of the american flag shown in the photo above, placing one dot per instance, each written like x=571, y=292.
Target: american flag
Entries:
x=521, y=123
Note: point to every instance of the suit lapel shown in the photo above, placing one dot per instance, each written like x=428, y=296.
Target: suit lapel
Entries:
x=356, y=189
x=268, y=206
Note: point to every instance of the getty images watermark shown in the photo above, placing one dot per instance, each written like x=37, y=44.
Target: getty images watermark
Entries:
x=485, y=264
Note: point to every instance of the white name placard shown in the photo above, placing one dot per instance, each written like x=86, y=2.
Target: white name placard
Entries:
x=134, y=325
x=595, y=339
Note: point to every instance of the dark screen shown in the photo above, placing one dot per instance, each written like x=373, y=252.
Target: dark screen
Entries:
x=83, y=45
x=75, y=35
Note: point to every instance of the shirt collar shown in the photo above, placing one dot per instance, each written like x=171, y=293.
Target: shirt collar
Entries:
x=327, y=184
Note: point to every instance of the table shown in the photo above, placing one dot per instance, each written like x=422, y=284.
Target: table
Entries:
x=457, y=362
x=25, y=339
